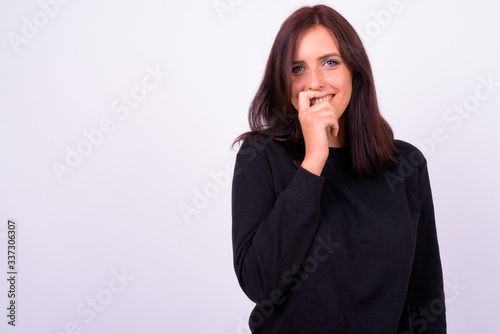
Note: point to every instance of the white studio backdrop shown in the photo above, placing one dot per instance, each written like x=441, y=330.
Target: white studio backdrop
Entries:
x=116, y=122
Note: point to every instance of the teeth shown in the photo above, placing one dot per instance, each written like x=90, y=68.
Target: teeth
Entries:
x=314, y=101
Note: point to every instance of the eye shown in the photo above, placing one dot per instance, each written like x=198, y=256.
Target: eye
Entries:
x=297, y=69
x=331, y=63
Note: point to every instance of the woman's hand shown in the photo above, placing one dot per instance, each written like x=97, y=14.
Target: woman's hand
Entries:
x=316, y=122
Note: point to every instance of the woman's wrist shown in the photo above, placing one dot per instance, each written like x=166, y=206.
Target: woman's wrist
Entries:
x=313, y=165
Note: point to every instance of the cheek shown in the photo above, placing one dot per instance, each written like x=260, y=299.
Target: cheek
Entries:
x=348, y=90
x=345, y=82
x=339, y=81
x=295, y=94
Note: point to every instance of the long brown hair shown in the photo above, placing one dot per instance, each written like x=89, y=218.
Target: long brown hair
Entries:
x=368, y=136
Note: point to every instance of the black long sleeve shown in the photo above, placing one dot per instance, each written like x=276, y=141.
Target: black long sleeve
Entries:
x=425, y=292
x=331, y=253
x=272, y=231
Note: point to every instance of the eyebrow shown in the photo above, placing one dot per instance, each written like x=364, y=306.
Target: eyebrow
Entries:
x=333, y=54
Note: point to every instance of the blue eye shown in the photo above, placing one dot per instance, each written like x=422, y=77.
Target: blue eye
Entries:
x=296, y=69
x=331, y=63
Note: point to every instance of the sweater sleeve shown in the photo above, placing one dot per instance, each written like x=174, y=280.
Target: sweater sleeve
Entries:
x=425, y=292
x=272, y=233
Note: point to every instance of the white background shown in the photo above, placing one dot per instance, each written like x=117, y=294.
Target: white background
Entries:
x=119, y=209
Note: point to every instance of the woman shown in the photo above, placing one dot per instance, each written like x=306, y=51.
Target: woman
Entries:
x=333, y=220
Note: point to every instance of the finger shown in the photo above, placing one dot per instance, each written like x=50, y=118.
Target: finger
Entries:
x=306, y=96
x=323, y=105
x=321, y=113
x=334, y=129
x=323, y=118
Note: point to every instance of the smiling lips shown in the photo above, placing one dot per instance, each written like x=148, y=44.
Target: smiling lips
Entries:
x=324, y=98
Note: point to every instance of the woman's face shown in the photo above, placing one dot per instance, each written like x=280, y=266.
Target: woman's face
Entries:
x=317, y=66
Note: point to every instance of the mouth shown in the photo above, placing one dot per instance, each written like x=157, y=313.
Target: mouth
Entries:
x=328, y=97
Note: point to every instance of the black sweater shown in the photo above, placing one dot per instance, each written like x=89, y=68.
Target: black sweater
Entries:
x=334, y=254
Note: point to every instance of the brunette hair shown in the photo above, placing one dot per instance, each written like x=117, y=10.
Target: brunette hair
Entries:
x=368, y=136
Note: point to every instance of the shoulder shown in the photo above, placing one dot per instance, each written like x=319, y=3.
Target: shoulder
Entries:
x=404, y=146
x=259, y=152
x=261, y=145
x=407, y=171
x=255, y=140
x=409, y=152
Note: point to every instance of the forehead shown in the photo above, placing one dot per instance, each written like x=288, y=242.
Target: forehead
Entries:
x=315, y=41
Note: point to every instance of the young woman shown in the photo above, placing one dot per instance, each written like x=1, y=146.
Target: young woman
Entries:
x=333, y=220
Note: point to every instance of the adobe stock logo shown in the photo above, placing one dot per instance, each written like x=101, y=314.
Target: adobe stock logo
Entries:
x=220, y=180
x=223, y=6
x=95, y=304
x=453, y=118
x=381, y=19
x=31, y=27
x=455, y=115
x=293, y=278
x=94, y=137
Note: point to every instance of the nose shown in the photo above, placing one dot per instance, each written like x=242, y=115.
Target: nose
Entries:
x=315, y=80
